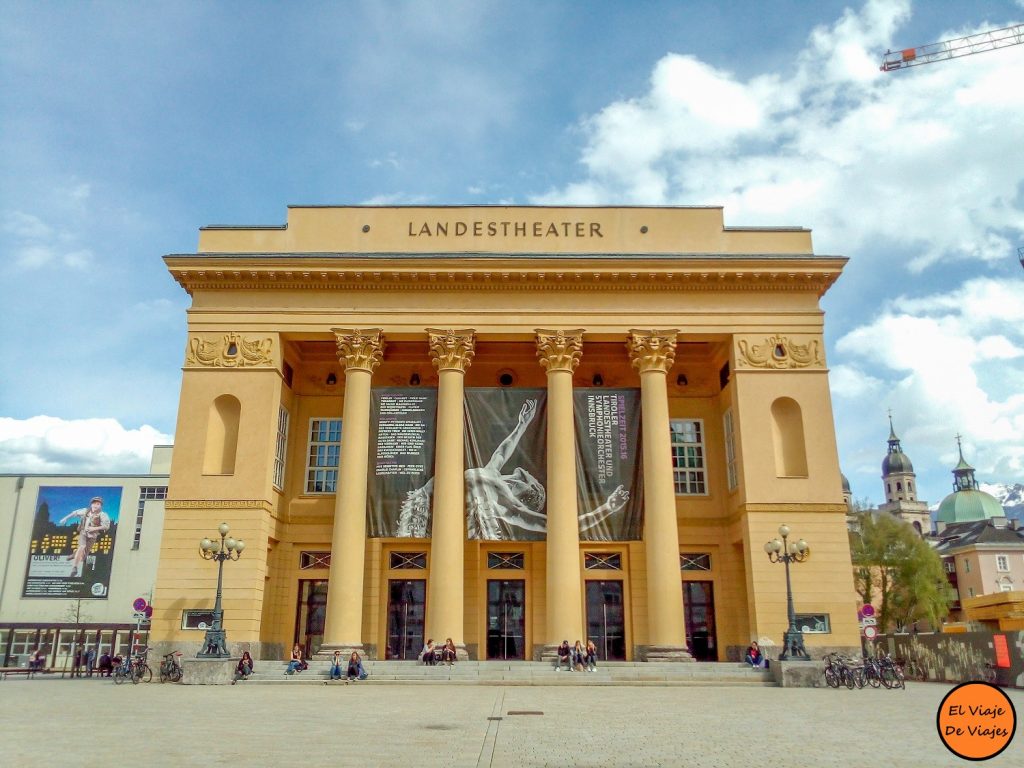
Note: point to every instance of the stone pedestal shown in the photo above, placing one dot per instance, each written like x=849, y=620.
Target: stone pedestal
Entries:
x=208, y=671
x=798, y=674
x=663, y=653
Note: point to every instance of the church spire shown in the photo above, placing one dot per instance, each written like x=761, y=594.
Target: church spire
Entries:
x=963, y=473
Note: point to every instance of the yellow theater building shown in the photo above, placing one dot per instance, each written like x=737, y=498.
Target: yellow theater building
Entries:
x=510, y=426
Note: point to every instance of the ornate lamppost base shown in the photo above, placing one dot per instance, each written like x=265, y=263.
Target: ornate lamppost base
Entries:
x=215, y=646
x=793, y=646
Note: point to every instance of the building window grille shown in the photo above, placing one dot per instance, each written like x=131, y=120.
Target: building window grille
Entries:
x=408, y=561
x=280, y=447
x=196, y=619
x=513, y=561
x=688, y=457
x=814, y=623
x=309, y=560
x=694, y=561
x=146, y=493
x=602, y=561
x=322, y=456
x=732, y=477
x=1002, y=563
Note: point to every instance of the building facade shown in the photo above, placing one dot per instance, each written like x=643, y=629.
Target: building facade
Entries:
x=506, y=426
x=80, y=550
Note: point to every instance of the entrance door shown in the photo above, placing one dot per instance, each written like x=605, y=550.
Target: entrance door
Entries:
x=406, y=602
x=310, y=616
x=606, y=619
x=699, y=613
x=506, y=619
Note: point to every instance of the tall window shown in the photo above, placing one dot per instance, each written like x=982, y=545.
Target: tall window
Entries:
x=280, y=447
x=730, y=451
x=688, y=456
x=1002, y=563
x=146, y=493
x=322, y=456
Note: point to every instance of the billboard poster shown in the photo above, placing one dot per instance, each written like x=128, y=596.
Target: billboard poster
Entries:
x=506, y=464
x=401, y=466
x=609, y=477
x=72, y=544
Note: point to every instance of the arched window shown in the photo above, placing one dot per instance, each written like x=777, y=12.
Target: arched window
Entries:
x=788, y=438
x=222, y=436
x=899, y=486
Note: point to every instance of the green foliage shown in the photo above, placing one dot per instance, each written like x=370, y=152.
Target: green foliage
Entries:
x=897, y=570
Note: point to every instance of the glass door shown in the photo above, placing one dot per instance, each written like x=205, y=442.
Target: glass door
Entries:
x=406, y=601
x=606, y=620
x=699, y=614
x=311, y=614
x=506, y=619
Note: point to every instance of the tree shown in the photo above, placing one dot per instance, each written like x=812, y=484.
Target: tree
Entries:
x=897, y=570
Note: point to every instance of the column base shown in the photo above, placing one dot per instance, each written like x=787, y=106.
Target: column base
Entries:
x=326, y=652
x=663, y=653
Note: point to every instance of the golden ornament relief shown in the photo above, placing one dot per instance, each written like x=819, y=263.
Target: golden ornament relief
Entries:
x=653, y=350
x=779, y=352
x=231, y=351
x=360, y=349
x=559, y=350
x=452, y=350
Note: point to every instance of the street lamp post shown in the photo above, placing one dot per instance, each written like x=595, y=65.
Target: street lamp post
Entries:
x=789, y=552
x=215, y=645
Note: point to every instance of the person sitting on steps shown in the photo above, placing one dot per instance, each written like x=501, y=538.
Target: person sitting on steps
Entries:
x=336, y=666
x=754, y=656
x=427, y=654
x=564, y=656
x=244, y=667
x=448, y=653
x=590, y=660
x=355, y=667
x=297, y=664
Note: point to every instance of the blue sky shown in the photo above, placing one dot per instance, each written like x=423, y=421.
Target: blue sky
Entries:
x=127, y=126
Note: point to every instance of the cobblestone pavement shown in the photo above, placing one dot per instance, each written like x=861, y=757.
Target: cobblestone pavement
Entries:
x=95, y=723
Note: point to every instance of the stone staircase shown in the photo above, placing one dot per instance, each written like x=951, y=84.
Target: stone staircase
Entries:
x=521, y=673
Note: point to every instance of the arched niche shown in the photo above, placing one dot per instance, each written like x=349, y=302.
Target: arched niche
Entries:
x=788, y=438
x=222, y=436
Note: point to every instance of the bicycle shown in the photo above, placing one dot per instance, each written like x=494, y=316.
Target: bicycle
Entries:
x=170, y=667
x=892, y=672
x=140, y=671
x=122, y=671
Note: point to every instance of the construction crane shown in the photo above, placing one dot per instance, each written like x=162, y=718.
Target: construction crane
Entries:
x=952, y=49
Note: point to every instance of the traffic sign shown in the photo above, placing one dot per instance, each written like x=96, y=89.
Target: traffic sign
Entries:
x=869, y=621
x=140, y=604
x=867, y=610
x=870, y=632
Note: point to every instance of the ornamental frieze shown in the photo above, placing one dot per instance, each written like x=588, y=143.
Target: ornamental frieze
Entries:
x=230, y=351
x=452, y=350
x=779, y=352
x=559, y=350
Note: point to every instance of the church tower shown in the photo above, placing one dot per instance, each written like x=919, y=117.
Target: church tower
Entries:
x=900, y=484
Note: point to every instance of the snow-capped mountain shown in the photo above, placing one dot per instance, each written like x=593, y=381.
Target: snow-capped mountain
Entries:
x=1011, y=497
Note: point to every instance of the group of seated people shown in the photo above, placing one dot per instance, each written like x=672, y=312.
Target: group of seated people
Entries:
x=354, y=669
x=577, y=658
x=432, y=654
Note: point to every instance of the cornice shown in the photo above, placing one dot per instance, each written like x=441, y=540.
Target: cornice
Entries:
x=418, y=272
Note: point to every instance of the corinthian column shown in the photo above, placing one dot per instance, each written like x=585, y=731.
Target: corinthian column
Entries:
x=652, y=354
x=451, y=351
x=361, y=351
x=559, y=353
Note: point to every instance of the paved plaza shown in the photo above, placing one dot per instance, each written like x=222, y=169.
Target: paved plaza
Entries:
x=95, y=723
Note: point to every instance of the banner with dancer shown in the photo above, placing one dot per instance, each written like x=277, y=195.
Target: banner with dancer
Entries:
x=609, y=477
x=72, y=546
x=401, y=466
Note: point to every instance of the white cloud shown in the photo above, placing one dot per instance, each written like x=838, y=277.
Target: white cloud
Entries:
x=48, y=445
x=857, y=154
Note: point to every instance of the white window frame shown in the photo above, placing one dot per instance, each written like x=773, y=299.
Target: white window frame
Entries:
x=322, y=472
x=689, y=480
x=967, y=565
x=1004, y=587
x=731, y=473
x=281, y=447
x=1003, y=563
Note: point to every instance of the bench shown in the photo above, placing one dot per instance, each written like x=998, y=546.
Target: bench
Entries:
x=28, y=672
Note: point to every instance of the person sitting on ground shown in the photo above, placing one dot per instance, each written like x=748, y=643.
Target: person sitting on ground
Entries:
x=244, y=667
x=336, y=666
x=355, y=667
x=448, y=653
x=754, y=656
x=577, y=656
x=427, y=654
x=590, y=659
x=297, y=664
x=105, y=665
x=564, y=656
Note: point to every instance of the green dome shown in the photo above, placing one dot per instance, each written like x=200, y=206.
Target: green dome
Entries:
x=968, y=505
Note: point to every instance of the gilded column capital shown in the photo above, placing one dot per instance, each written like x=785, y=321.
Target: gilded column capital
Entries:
x=452, y=350
x=360, y=349
x=559, y=350
x=653, y=350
